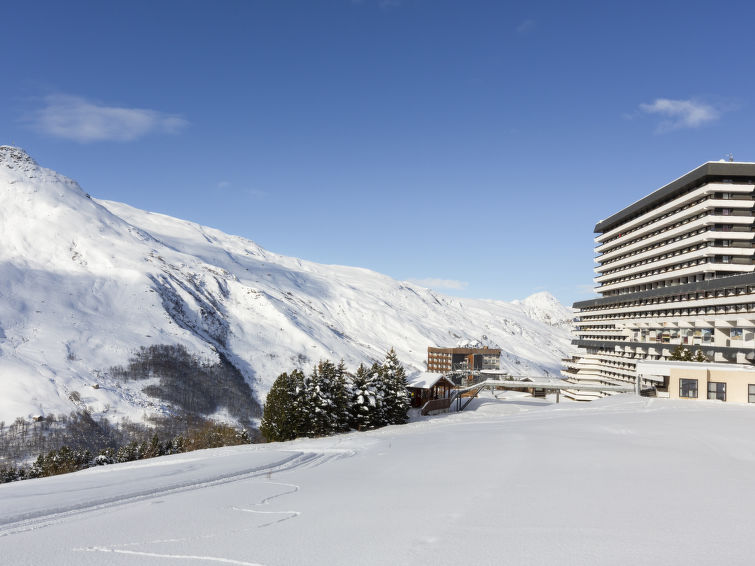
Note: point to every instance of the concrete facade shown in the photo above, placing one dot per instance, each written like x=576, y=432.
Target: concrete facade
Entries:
x=676, y=270
x=445, y=360
x=700, y=381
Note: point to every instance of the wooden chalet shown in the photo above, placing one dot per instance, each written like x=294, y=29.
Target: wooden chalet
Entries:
x=428, y=387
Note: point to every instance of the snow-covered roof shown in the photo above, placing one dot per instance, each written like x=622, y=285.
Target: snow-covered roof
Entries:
x=650, y=368
x=424, y=380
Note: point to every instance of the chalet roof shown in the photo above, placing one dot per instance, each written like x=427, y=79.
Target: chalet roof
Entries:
x=424, y=380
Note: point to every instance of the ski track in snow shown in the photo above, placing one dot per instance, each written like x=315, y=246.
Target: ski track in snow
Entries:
x=303, y=460
x=266, y=501
x=298, y=460
x=171, y=556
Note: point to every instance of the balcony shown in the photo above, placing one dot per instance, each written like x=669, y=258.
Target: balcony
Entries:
x=706, y=220
x=718, y=191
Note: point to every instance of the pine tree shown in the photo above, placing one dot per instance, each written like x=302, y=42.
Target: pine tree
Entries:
x=379, y=385
x=279, y=416
x=396, y=399
x=700, y=357
x=681, y=353
x=321, y=406
x=341, y=398
x=363, y=405
x=301, y=417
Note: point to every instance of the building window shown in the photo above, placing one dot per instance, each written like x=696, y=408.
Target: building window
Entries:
x=735, y=333
x=751, y=393
x=688, y=388
x=717, y=390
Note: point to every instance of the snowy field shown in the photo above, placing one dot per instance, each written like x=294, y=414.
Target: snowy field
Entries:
x=625, y=480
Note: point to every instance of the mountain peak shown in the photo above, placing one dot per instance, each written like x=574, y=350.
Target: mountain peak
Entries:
x=546, y=308
x=16, y=158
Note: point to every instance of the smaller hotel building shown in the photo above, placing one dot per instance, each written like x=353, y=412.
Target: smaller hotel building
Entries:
x=446, y=360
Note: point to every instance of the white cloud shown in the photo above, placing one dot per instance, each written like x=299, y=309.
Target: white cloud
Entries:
x=434, y=283
x=256, y=193
x=228, y=186
x=680, y=114
x=76, y=118
x=526, y=26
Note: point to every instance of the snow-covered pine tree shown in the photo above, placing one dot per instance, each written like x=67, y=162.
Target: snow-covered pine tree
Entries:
x=321, y=405
x=341, y=398
x=363, y=406
x=700, y=357
x=396, y=399
x=380, y=387
x=301, y=417
x=279, y=415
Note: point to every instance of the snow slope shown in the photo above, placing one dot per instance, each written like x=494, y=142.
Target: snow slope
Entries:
x=621, y=481
x=87, y=282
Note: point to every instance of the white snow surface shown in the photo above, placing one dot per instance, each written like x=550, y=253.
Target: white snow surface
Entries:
x=621, y=481
x=87, y=282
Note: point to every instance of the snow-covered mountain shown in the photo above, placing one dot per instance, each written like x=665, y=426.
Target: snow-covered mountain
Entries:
x=546, y=308
x=87, y=283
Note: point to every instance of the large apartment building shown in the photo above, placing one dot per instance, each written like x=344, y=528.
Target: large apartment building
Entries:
x=674, y=268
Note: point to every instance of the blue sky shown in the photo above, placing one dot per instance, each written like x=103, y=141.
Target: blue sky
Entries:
x=472, y=145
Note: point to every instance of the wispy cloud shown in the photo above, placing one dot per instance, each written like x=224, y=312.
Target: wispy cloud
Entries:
x=76, y=118
x=256, y=193
x=434, y=283
x=383, y=4
x=680, y=114
x=228, y=186
x=526, y=26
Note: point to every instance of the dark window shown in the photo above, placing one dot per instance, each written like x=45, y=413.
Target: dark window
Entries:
x=717, y=390
x=688, y=388
x=751, y=393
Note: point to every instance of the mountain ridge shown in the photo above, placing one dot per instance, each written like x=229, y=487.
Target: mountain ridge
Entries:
x=89, y=282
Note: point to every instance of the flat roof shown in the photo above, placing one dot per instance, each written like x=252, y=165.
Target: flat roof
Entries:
x=552, y=384
x=463, y=350
x=709, y=169
x=663, y=367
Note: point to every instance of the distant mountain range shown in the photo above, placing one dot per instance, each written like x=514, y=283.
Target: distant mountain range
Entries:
x=91, y=289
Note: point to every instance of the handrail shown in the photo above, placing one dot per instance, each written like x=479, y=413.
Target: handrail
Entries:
x=435, y=405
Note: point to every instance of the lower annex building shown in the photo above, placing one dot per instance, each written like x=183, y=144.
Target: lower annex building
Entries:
x=446, y=360
x=675, y=269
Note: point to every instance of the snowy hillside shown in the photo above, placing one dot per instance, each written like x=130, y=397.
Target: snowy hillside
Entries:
x=86, y=283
